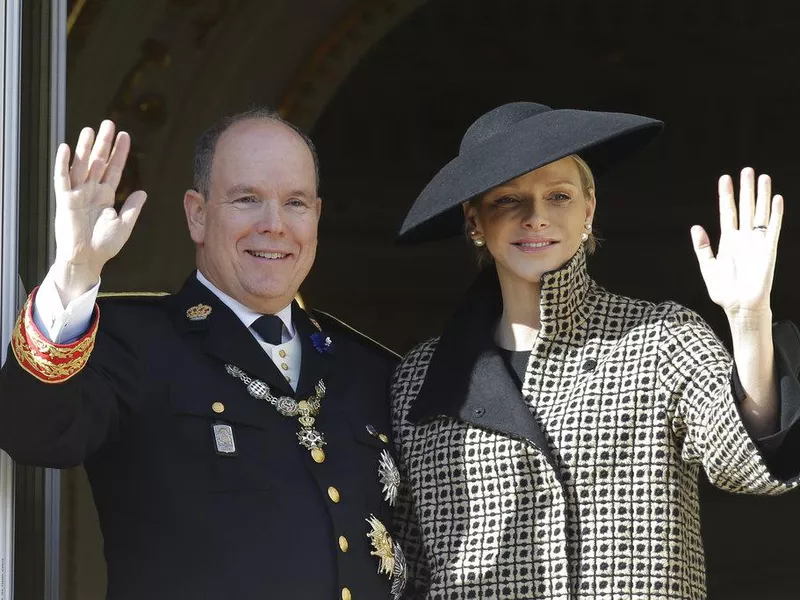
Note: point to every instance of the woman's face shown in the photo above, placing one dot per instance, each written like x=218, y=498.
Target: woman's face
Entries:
x=533, y=224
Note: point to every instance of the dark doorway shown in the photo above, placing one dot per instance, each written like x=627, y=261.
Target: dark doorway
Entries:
x=715, y=72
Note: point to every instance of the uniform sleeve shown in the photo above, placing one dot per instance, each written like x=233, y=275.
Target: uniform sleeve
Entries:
x=695, y=371
x=406, y=524
x=60, y=403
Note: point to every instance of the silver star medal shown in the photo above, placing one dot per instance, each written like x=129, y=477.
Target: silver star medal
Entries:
x=389, y=476
x=399, y=573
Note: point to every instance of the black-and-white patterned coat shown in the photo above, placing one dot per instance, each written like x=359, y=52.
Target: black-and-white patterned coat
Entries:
x=585, y=484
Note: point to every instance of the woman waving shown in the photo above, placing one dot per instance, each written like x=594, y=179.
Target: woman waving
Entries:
x=551, y=437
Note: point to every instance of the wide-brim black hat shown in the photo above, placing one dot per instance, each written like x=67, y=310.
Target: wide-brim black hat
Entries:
x=512, y=140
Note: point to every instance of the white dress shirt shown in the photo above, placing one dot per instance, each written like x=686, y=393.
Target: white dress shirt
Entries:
x=63, y=325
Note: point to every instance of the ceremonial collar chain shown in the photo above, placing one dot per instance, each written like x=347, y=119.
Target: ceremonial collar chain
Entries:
x=305, y=410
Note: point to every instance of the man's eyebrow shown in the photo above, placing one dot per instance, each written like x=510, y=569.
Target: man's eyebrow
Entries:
x=240, y=189
x=246, y=189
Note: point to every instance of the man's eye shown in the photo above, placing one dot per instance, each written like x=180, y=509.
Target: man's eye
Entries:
x=297, y=203
x=246, y=199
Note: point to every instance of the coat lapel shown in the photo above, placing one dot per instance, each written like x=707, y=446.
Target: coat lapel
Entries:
x=467, y=378
x=225, y=336
x=315, y=364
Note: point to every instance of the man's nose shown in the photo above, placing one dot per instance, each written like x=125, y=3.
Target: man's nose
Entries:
x=270, y=220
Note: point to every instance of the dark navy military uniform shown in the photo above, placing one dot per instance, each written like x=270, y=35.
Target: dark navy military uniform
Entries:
x=182, y=516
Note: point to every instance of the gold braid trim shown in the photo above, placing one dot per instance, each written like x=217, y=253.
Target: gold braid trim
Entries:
x=41, y=358
x=132, y=294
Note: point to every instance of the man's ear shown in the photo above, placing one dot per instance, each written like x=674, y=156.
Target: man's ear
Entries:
x=194, y=205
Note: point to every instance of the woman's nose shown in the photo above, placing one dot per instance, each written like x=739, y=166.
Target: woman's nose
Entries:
x=536, y=216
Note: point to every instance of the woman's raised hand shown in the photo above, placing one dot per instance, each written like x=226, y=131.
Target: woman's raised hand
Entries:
x=739, y=278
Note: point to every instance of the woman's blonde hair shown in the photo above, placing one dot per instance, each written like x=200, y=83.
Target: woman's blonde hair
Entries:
x=587, y=186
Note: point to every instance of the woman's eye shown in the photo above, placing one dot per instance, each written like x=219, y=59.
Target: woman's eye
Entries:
x=505, y=201
x=559, y=197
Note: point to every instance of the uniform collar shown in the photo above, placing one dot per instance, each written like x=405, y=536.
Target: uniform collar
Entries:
x=247, y=315
x=200, y=313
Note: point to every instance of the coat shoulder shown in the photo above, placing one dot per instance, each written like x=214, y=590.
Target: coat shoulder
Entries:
x=636, y=312
x=670, y=315
x=131, y=312
x=115, y=301
x=422, y=352
x=340, y=329
x=412, y=370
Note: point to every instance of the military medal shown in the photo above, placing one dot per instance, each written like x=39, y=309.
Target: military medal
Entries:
x=400, y=572
x=223, y=437
x=305, y=410
x=389, y=476
x=392, y=561
x=382, y=545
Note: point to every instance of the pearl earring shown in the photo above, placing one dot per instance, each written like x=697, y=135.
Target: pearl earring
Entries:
x=476, y=239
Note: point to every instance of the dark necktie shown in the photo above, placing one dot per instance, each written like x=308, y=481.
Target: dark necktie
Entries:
x=270, y=328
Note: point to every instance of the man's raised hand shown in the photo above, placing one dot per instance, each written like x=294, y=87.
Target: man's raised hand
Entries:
x=88, y=229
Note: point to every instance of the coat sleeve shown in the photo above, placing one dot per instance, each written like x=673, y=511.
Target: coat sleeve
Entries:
x=56, y=414
x=406, y=523
x=782, y=449
x=695, y=372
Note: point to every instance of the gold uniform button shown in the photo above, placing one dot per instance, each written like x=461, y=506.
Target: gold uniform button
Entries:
x=333, y=494
x=384, y=438
x=318, y=454
x=284, y=366
x=218, y=407
x=282, y=353
x=346, y=595
x=343, y=543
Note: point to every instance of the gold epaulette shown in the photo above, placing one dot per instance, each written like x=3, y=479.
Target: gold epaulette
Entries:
x=41, y=358
x=328, y=318
x=132, y=294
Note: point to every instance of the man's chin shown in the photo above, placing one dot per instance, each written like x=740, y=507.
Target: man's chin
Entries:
x=269, y=294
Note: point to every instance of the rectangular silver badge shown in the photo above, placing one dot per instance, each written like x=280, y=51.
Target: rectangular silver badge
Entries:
x=223, y=437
